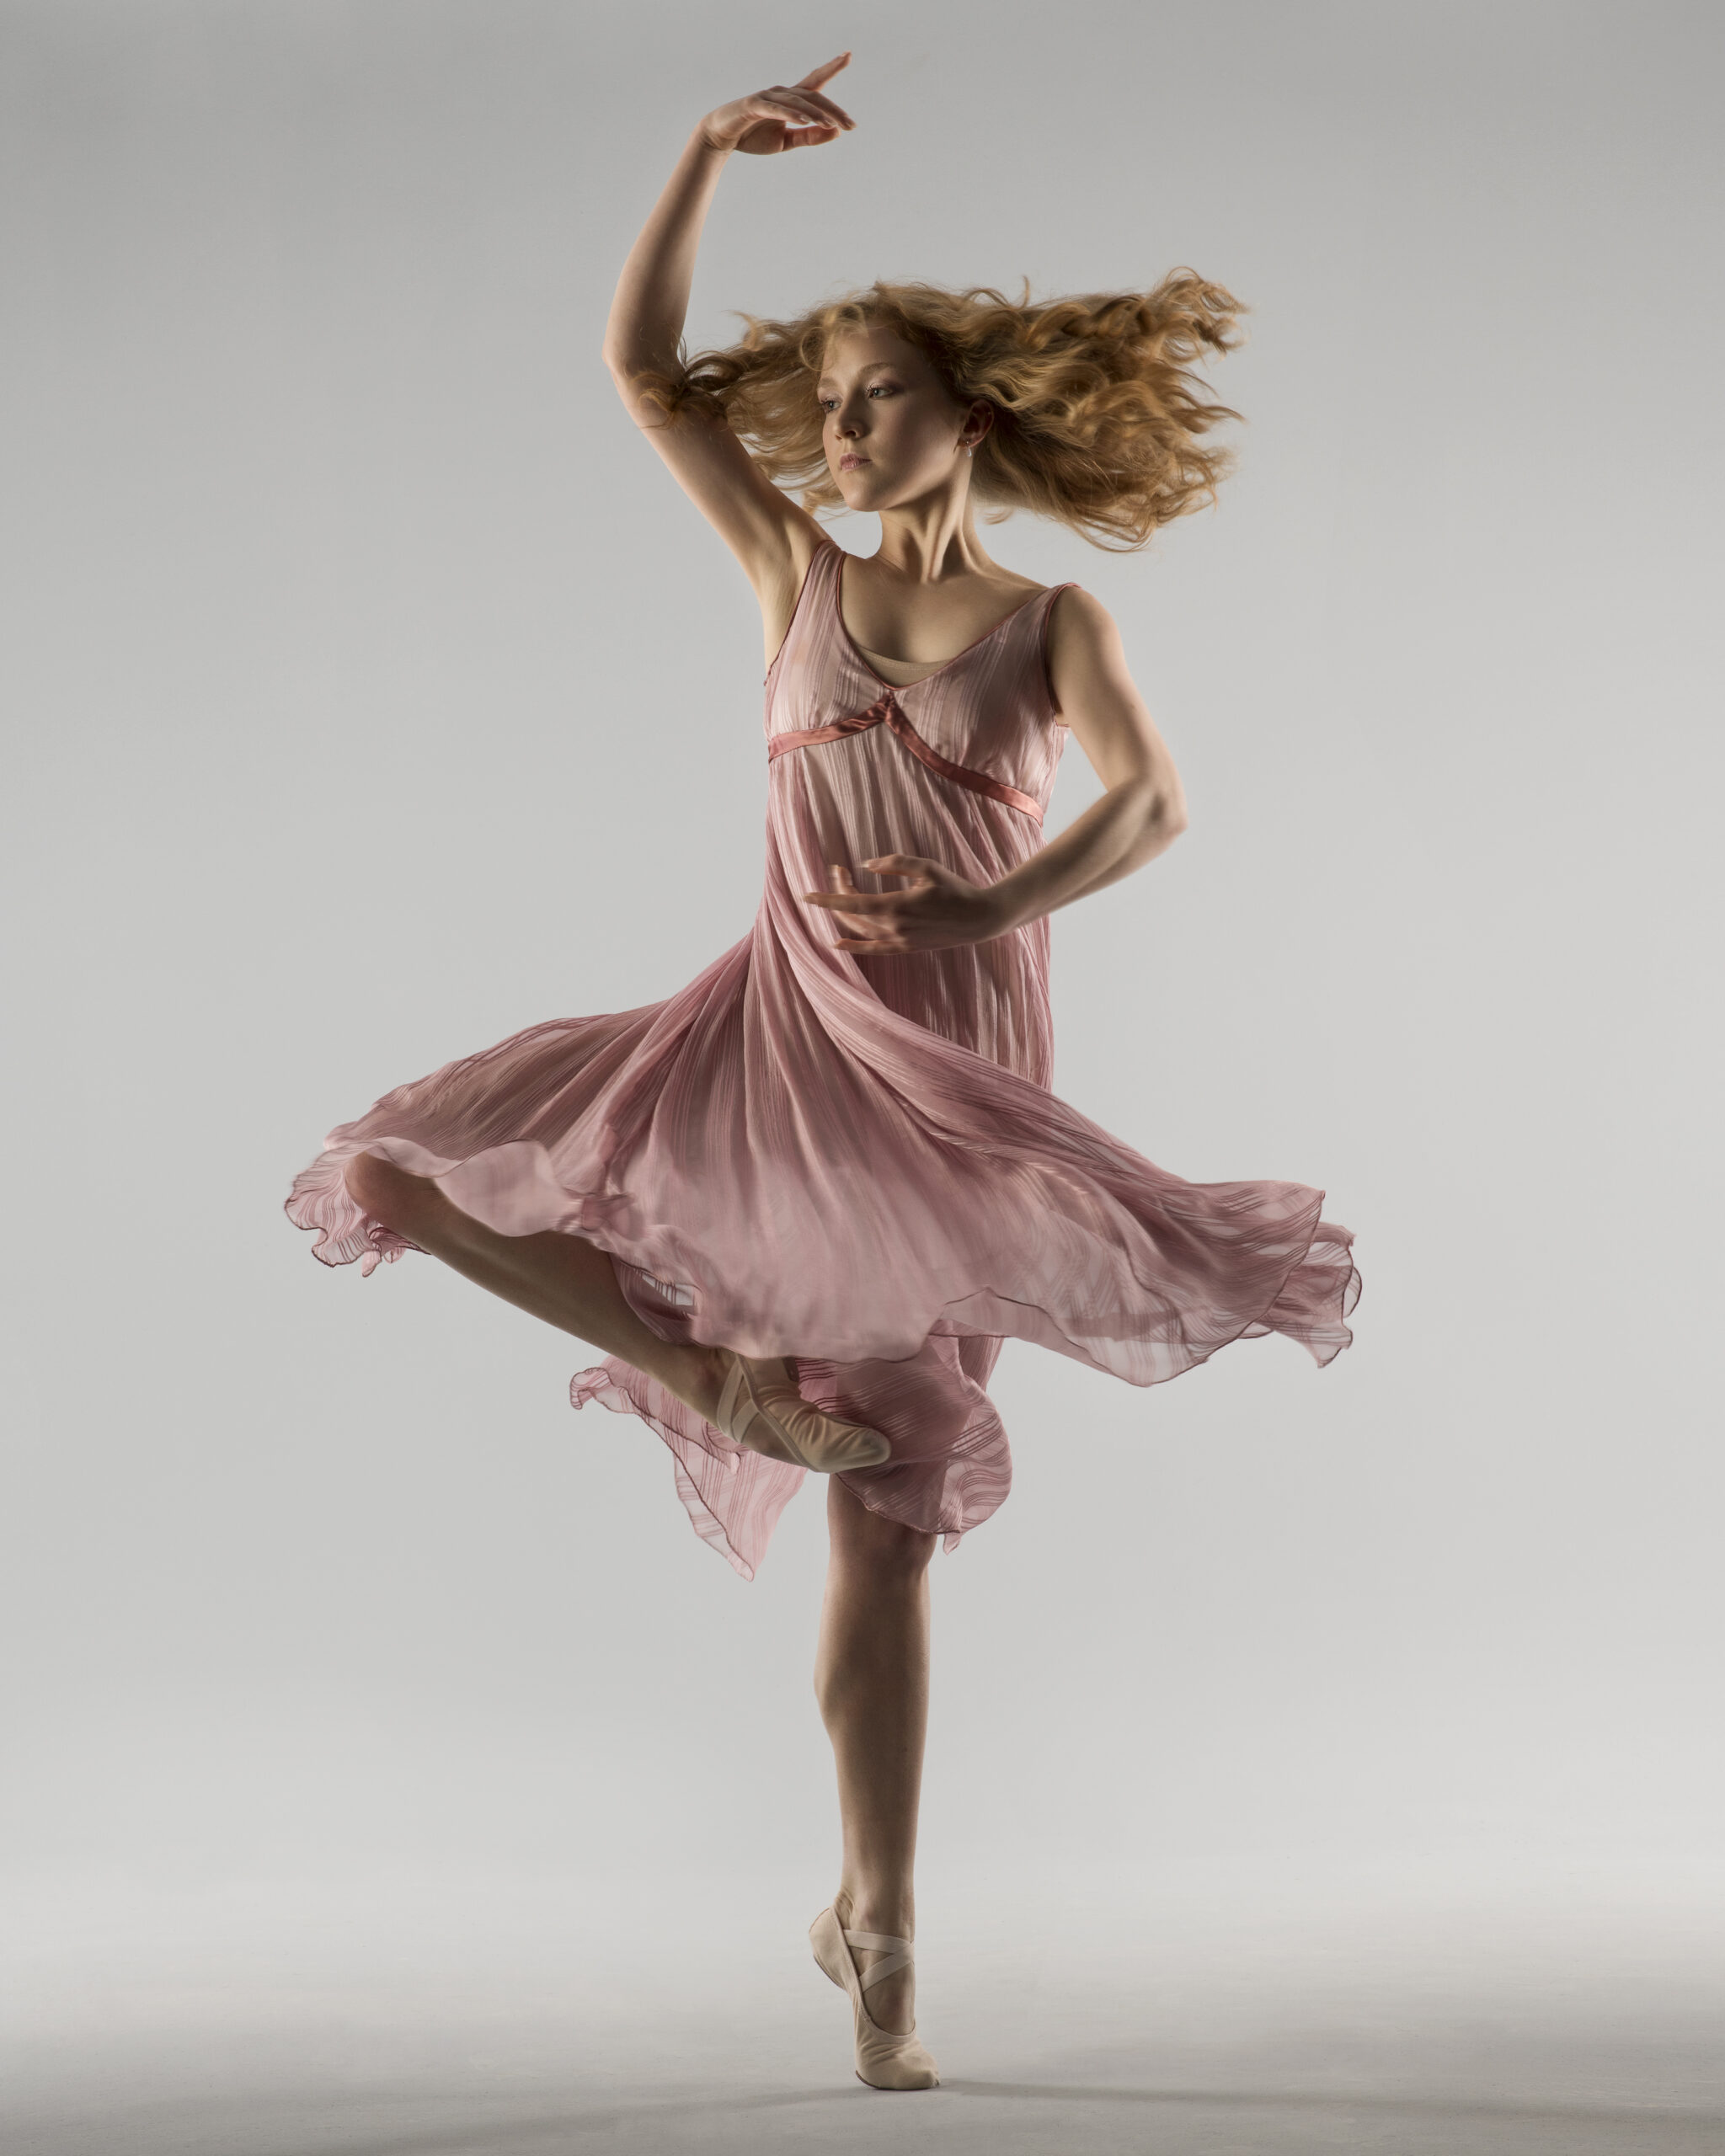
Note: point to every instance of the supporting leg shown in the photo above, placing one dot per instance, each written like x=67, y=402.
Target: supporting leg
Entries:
x=871, y=1678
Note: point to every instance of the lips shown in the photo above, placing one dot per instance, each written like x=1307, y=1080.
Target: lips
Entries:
x=850, y=461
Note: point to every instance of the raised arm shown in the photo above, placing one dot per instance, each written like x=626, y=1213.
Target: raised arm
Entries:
x=768, y=532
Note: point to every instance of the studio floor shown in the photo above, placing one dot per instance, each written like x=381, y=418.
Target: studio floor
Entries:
x=531, y=2017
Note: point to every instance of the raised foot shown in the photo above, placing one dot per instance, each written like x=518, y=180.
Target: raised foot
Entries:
x=759, y=1408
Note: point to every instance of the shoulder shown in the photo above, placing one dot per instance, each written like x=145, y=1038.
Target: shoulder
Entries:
x=1077, y=624
x=1085, y=656
x=1076, y=610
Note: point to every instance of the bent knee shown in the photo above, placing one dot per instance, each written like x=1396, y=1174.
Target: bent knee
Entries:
x=379, y=1187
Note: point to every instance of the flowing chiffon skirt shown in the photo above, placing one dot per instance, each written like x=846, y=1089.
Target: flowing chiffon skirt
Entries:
x=857, y=1161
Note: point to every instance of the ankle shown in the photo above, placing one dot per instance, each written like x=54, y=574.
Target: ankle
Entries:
x=862, y=1909
x=697, y=1377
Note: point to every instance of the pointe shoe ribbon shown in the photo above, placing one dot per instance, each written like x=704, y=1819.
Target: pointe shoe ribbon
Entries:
x=813, y=1439
x=884, y=2058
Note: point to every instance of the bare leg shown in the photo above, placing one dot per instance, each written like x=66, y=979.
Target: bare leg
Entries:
x=871, y=1678
x=562, y=1278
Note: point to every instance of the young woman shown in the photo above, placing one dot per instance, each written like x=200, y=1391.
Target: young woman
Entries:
x=800, y=1204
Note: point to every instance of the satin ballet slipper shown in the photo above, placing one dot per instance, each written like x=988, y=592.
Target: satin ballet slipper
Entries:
x=812, y=1438
x=884, y=2059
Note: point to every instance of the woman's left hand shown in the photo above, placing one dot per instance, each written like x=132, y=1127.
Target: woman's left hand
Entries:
x=939, y=911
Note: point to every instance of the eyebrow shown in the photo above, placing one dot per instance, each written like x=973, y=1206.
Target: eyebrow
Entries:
x=822, y=380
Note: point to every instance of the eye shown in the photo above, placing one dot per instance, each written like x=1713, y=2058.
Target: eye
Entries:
x=885, y=388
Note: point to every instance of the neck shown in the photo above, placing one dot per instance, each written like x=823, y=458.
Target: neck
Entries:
x=926, y=541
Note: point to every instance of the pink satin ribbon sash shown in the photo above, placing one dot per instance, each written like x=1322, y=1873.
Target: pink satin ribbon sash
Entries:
x=885, y=709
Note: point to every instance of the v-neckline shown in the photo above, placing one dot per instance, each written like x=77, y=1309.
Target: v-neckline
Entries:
x=838, y=608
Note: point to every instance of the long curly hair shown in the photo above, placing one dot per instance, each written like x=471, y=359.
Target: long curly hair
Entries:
x=1097, y=420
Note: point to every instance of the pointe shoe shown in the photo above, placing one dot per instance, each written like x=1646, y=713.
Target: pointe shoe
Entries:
x=884, y=2059
x=812, y=1438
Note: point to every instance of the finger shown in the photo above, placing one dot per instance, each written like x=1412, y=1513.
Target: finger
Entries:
x=832, y=109
x=790, y=116
x=799, y=102
x=903, y=864
x=824, y=107
x=854, y=929
x=858, y=902
x=824, y=73
x=799, y=136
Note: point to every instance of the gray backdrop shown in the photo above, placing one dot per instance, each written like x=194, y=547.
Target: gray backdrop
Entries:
x=372, y=693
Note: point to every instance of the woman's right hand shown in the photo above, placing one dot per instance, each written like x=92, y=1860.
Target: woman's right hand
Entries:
x=794, y=116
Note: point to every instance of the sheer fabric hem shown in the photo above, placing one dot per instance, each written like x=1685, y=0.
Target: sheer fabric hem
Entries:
x=513, y=1189
x=733, y=1497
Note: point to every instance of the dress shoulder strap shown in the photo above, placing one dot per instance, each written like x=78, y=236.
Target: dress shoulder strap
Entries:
x=1043, y=612
x=823, y=562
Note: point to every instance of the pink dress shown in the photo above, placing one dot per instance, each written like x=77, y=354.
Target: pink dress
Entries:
x=852, y=1160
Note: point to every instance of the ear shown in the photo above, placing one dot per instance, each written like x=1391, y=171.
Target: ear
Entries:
x=979, y=421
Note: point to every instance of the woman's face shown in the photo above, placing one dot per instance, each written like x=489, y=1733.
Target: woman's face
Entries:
x=892, y=434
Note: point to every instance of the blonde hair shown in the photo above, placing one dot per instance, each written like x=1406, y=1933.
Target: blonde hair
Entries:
x=1097, y=418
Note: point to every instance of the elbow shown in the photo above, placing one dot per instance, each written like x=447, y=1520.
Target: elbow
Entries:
x=641, y=390
x=628, y=369
x=1170, y=811
x=1165, y=808
x=621, y=364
